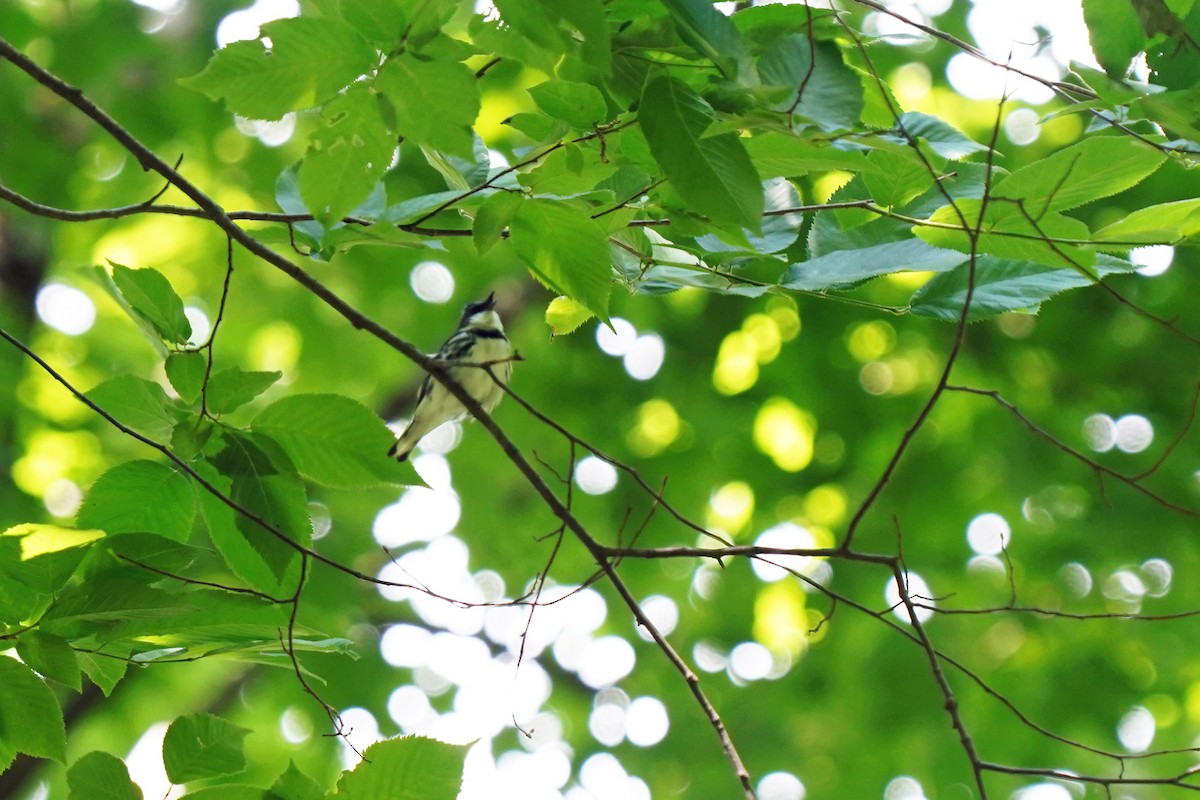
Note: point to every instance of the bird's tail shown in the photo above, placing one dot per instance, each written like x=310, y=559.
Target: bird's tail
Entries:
x=401, y=449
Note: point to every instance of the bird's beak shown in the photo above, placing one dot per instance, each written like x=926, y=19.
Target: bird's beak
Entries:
x=490, y=301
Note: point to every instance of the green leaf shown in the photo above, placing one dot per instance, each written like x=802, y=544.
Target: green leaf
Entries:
x=942, y=137
x=711, y=33
x=101, y=776
x=1177, y=112
x=139, y=404
x=254, y=555
x=436, y=102
x=832, y=94
x=84, y=610
x=782, y=155
x=895, y=177
x=712, y=174
x=1085, y=171
x=265, y=483
x=31, y=721
x=332, y=440
x=1053, y=239
x=233, y=387
x=1001, y=285
x=407, y=768
x=144, y=548
x=309, y=59
x=149, y=294
x=579, y=104
x=202, y=746
x=103, y=670
x=493, y=216
x=43, y=557
x=1165, y=223
x=1115, y=34
x=141, y=497
x=50, y=656
x=565, y=315
x=293, y=784
x=186, y=370
x=347, y=155
x=846, y=267
x=566, y=249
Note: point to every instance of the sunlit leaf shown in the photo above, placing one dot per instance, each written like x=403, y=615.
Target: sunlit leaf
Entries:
x=141, y=497
x=202, y=746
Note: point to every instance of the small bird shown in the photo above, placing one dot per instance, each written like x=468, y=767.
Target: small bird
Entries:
x=479, y=339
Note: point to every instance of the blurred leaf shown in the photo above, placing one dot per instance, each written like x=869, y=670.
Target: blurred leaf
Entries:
x=712, y=174
x=141, y=497
x=200, y=746
x=101, y=776
x=31, y=720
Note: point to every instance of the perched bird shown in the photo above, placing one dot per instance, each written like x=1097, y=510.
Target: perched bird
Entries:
x=479, y=339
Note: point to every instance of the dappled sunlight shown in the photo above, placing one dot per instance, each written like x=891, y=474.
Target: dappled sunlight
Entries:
x=918, y=592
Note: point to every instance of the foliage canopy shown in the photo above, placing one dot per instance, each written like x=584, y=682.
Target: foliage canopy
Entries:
x=892, y=493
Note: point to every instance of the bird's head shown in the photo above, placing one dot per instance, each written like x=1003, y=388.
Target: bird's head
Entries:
x=481, y=315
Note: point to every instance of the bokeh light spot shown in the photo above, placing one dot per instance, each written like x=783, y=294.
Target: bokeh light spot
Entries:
x=617, y=340
x=731, y=506
x=780, y=786
x=65, y=309
x=432, y=282
x=785, y=433
x=1134, y=433
x=988, y=534
x=918, y=593
x=1136, y=730
x=657, y=427
x=595, y=475
x=645, y=357
x=646, y=721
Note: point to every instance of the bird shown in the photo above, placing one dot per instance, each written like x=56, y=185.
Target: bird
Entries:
x=479, y=339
